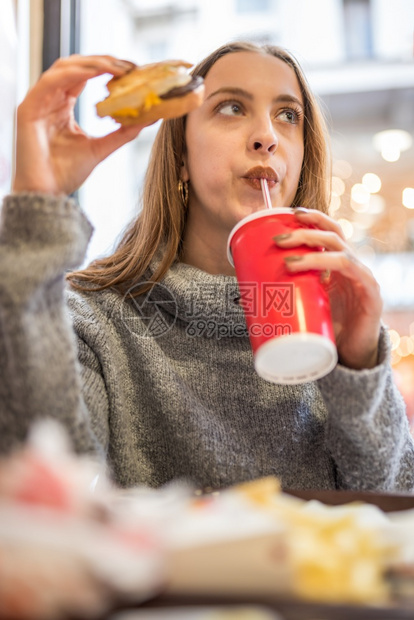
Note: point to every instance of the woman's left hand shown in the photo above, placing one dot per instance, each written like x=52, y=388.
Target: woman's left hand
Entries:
x=356, y=302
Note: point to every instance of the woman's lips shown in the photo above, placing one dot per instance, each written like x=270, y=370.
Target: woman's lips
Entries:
x=255, y=182
x=254, y=175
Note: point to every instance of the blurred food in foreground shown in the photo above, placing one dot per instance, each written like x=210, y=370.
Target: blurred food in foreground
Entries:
x=204, y=612
x=77, y=546
x=65, y=550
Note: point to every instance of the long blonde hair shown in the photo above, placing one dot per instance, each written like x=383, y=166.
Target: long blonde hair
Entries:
x=161, y=221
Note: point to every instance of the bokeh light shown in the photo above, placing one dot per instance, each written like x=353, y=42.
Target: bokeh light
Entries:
x=347, y=227
x=338, y=186
x=395, y=339
x=376, y=204
x=360, y=194
x=372, y=182
x=391, y=143
x=408, y=197
x=335, y=203
x=342, y=168
x=405, y=347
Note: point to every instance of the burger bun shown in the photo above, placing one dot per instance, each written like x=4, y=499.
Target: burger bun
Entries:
x=148, y=93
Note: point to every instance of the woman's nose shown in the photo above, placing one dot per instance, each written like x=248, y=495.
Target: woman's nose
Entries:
x=264, y=138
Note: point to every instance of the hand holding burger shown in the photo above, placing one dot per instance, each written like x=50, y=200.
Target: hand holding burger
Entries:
x=145, y=94
x=54, y=155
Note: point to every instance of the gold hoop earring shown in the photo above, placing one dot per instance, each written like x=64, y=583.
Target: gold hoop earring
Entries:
x=183, y=192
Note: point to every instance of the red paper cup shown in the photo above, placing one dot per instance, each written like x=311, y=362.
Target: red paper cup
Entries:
x=287, y=314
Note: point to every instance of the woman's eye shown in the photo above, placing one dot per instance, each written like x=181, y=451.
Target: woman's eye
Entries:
x=289, y=116
x=230, y=109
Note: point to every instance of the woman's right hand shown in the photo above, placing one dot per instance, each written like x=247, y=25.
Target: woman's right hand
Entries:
x=53, y=154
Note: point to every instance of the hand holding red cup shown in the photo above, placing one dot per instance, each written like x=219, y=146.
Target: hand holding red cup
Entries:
x=287, y=314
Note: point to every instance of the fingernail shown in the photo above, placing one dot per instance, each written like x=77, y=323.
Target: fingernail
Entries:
x=293, y=258
x=125, y=64
x=325, y=276
x=300, y=210
x=281, y=237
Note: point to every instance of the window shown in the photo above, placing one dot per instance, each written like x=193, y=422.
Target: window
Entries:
x=252, y=6
x=8, y=87
x=60, y=29
x=358, y=33
x=157, y=50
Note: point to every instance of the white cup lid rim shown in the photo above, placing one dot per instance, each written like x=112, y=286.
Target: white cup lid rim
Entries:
x=320, y=350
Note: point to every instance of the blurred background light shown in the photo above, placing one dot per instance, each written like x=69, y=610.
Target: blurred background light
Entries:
x=335, y=203
x=395, y=338
x=360, y=194
x=372, y=182
x=366, y=253
x=338, y=186
x=406, y=346
x=347, y=227
x=391, y=143
x=408, y=197
x=376, y=205
x=342, y=168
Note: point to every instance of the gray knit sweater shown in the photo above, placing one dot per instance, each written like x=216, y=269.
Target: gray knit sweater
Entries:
x=164, y=386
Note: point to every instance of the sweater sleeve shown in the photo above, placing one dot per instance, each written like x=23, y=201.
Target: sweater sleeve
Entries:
x=368, y=433
x=41, y=238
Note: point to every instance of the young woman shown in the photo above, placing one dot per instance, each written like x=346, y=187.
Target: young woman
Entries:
x=128, y=370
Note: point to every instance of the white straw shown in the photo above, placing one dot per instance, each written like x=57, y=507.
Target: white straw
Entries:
x=266, y=194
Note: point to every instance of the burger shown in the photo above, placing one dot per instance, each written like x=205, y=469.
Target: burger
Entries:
x=150, y=92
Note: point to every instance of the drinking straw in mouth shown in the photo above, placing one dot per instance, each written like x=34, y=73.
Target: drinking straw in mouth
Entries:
x=266, y=194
